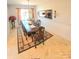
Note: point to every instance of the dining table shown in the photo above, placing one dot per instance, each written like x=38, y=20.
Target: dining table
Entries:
x=29, y=27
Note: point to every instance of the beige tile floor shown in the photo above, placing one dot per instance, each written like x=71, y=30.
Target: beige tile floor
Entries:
x=55, y=48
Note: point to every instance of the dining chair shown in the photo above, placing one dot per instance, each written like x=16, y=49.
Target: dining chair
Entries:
x=37, y=23
x=24, y=31
x=39, y=36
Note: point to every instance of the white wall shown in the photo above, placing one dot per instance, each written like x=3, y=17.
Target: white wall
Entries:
x=62, y=24
x=8, y=26
x=10, y=12
x=57, y=28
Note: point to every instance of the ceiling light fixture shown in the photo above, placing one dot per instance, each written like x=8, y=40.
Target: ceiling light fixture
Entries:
x=28, y=9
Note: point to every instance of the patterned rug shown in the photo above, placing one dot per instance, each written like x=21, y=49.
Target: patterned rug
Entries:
x=21, y=44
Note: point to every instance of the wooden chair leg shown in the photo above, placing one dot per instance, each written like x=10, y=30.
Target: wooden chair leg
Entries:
x=26, y=37
x=32, y=38
x=35, y=45
x=43, y=41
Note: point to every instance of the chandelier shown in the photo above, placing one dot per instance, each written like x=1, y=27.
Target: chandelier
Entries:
x=28, y=7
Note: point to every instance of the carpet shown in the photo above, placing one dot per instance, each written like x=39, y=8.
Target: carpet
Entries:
x=23, y=47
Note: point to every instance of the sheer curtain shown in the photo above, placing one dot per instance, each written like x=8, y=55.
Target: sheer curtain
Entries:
x=24, y=14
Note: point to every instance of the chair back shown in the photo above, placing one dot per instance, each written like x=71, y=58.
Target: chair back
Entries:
x=37, y=23
x=41, y=31
x=40, y=34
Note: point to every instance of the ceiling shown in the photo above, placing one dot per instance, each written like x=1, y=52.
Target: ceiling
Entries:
x=32, y=2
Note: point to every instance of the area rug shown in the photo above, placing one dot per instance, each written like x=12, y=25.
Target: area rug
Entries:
x=23, y=47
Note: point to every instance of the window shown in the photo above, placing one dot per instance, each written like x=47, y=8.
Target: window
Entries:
x=24, y=14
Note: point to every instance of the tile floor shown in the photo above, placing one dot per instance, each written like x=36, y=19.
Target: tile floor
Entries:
x=55, y=48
